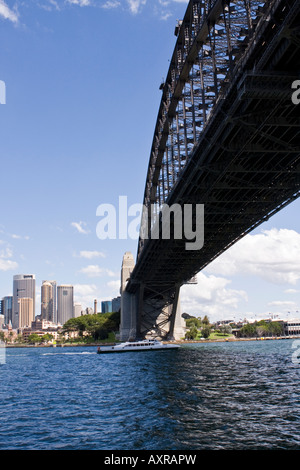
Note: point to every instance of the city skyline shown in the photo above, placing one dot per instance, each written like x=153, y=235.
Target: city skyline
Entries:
x=77, y=128
x=57, y=302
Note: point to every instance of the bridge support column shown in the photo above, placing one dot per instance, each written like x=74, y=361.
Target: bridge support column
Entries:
x=160, y=314
x=147, y=318
x=176, y=320
x=128, y=324
x=150, y=311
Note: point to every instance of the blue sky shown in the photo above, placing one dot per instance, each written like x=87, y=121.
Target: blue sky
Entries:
x=82, y=94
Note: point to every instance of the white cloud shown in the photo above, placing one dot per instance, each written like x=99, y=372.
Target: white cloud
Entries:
x=85, y=289
x=54, y=4
x=6, y=253
x=273, y=255
x=19, y=237
x=81, y=3
x=85, y=294
x=115, y=285
x=7, y=13
x=284, y=307
x=282, y=303
x=211, y=297
x=7, y=264
x=93, y=270
x=134, y=5
x=80, y=227
x=163, y=8
x=111, y=4
x=91, y=254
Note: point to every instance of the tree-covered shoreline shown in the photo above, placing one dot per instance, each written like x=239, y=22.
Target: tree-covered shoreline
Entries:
x=95, y=327
x=261, y=328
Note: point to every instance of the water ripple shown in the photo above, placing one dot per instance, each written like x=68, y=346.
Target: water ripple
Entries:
x=208, y=396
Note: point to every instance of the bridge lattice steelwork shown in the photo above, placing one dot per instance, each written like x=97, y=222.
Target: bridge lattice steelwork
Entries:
x=227, y=136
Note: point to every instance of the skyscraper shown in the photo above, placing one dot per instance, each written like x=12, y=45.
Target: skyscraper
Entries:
x=77, y=310
x=106, y=306
x=64, y=303
x=7, y=303
x=52, y=313
x=25, y=312
x=47, y=301
x=23, y=287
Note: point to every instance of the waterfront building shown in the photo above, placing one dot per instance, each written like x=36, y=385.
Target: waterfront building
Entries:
x=291, y=327
x=25, y=310
x=23, y=287
x=65, y=303
x=44, y=325
x=41, y=327
x=52, y=312
x=7, y=306
x=10, y=334
x=106, y=306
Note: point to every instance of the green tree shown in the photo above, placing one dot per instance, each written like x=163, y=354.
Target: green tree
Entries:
x=47, y=337
x=192, y=333
x=95, y=326
x=248, y=331
x=276, y=329
x=261, y=328
x=190, y=322
x=20, y=339
x=205, y=332
x=225, y=329
x=34, y=338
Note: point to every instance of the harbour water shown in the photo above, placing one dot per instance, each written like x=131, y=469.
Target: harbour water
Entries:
x=236, y=395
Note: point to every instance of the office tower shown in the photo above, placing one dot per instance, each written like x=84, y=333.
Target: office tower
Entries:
x=65, y=303
x=7, y=306
x=116, y=304
x=54, y=293
x=106, y=306
x=25, y=312
x=1, y=314
x=51, y=311
x=77, y=310
x=47, y=301
x=23, y=287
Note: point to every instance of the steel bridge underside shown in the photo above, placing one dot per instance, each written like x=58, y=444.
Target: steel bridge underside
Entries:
x=245, y=166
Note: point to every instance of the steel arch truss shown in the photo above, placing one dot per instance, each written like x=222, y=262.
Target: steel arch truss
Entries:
x=210, y=39
x=227, y=137
x=157, y=313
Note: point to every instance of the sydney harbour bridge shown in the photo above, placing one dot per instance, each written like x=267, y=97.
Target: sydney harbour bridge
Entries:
x=226, y=139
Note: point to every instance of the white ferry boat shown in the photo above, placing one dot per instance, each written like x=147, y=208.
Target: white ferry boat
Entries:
x=145, y=345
